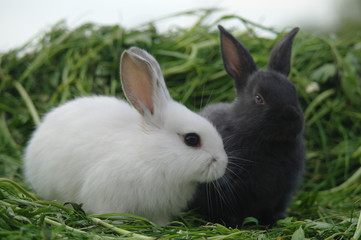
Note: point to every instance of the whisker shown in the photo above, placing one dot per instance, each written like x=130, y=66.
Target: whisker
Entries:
x=209, y=97
x=201, y=104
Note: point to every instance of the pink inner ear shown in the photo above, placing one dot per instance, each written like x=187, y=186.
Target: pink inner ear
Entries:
x=137, y=85
x=230, y=55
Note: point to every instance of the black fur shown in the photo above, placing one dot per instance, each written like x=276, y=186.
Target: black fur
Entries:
x=264, y=142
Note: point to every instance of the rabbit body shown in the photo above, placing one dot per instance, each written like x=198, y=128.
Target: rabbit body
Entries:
x=115, y=158
x=262, y=130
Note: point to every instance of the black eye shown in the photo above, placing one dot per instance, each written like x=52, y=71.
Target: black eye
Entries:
x=192, y=139
x=259, y=99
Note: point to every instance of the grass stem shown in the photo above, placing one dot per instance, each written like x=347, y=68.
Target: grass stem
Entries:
x=357, y=234
x=119, y=230
x=6, y=181
x=353, y=179
x=28, y=102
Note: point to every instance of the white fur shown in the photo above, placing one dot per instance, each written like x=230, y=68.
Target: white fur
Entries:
x=103, y=153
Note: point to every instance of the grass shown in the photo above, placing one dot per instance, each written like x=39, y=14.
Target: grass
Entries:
x=61, y=64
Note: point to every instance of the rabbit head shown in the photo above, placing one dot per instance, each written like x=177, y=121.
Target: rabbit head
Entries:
x=266, y=99
x=188, y=142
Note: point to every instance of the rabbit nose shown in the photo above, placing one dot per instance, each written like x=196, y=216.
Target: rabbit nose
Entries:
x=290, y=113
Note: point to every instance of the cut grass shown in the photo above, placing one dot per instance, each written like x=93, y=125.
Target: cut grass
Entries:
x=63, y=64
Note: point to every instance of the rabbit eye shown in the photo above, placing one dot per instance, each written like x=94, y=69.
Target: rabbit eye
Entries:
x=259, y=99
x=192, y=139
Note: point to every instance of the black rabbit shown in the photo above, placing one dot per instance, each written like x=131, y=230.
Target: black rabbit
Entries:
x=262, y=130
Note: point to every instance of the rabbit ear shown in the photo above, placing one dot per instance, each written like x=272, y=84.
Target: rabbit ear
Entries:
x=142, y=53
x=280, y=59
x=142, y=81
x=237, y=60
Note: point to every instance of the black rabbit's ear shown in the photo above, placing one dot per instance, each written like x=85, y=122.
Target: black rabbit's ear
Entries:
x=280, y=59
x=237, y=60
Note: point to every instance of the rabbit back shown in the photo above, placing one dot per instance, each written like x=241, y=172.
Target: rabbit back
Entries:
x=73, y=139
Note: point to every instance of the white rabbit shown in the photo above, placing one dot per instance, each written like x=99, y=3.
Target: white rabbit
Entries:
x=114, y=158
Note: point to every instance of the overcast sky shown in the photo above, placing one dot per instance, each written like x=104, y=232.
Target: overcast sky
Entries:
x=21, y=20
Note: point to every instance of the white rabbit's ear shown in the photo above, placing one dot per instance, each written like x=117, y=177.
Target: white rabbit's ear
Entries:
x=143, y=54
x=142, y=81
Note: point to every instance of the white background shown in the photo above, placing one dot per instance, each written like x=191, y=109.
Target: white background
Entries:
x=21, y=20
